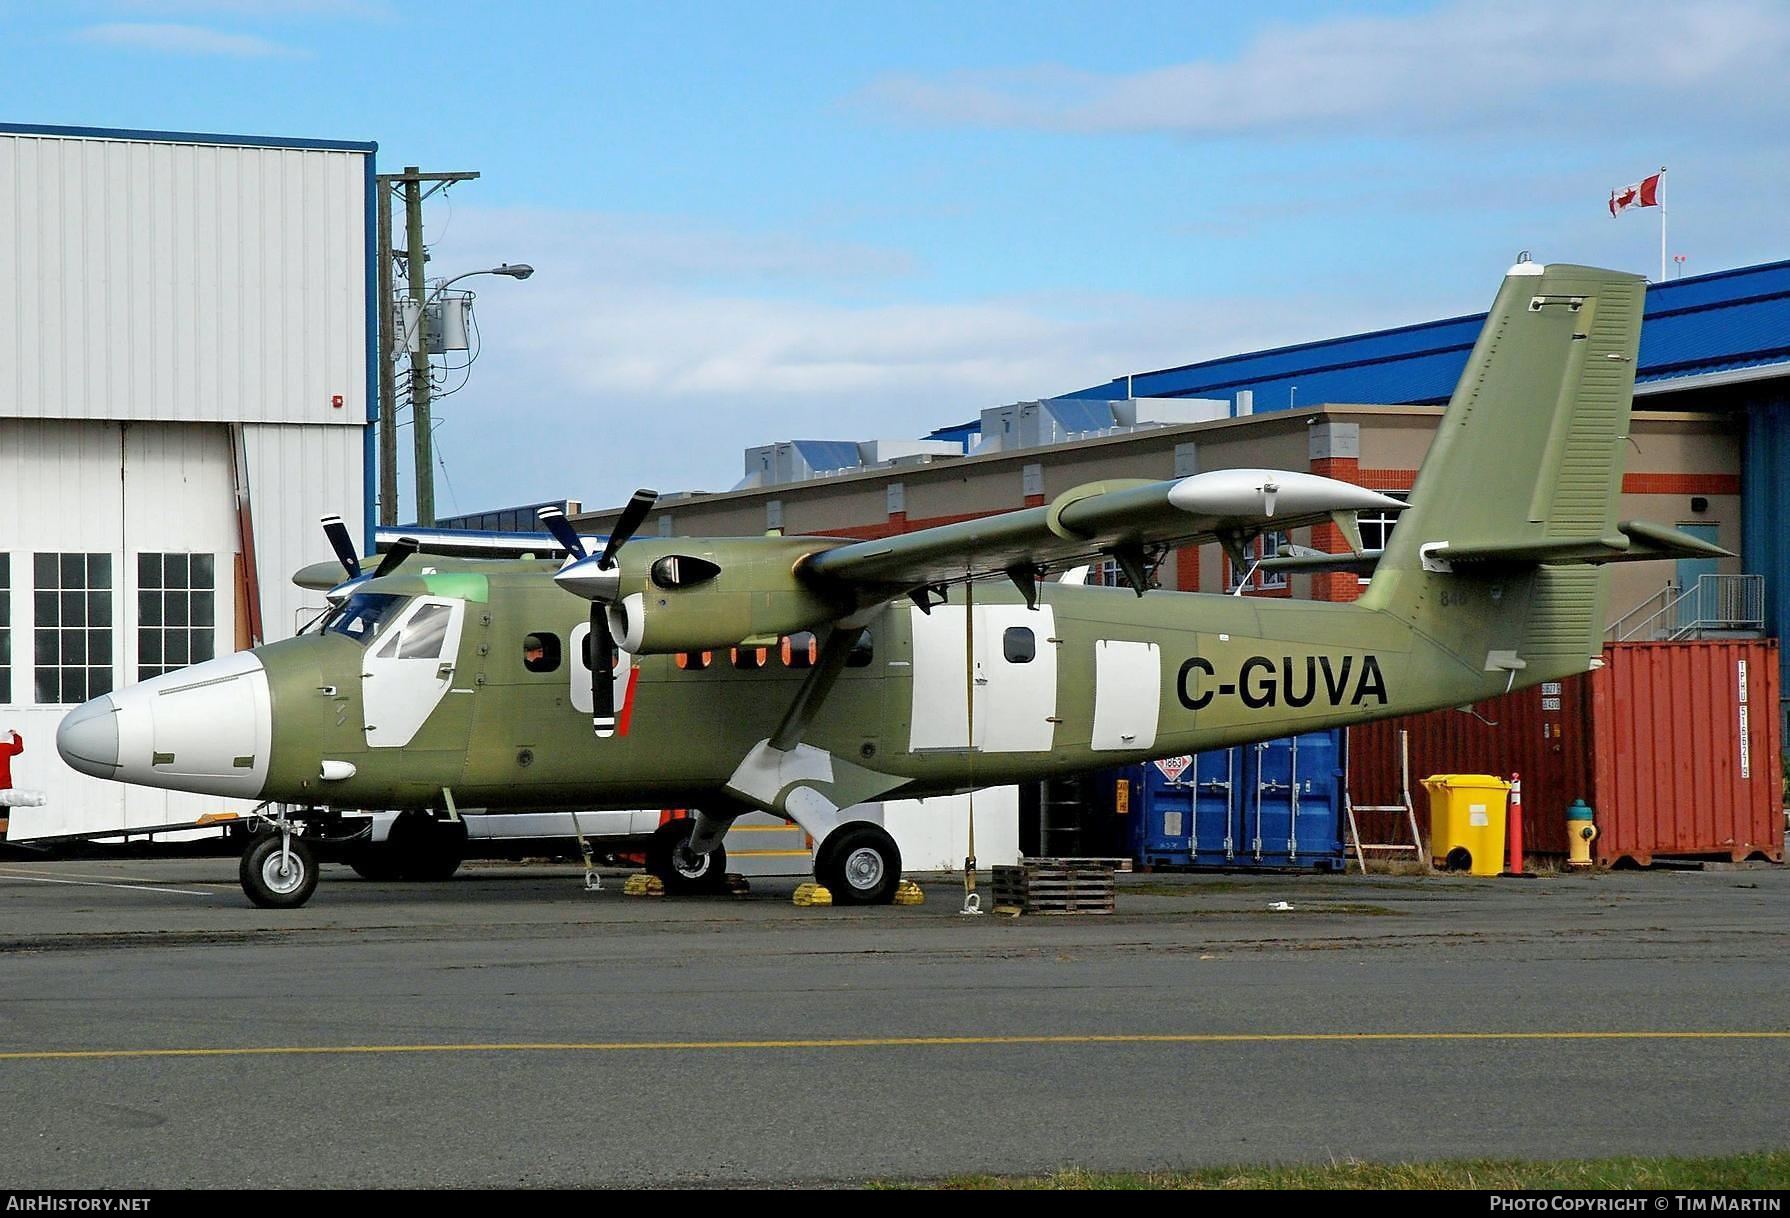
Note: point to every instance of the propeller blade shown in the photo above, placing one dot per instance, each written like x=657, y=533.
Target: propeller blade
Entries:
x=394, y=558
x=602, y=673
x=631, y=517
x=342, y=544
x=554, y=521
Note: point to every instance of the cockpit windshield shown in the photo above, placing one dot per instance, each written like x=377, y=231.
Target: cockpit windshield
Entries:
x=361, y=616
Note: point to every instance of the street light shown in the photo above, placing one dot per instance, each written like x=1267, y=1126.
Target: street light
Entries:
x=419, y=395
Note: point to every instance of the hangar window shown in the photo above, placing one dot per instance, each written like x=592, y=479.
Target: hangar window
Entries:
x=5, y=628
x=176, y=612
x=72, y=627
x=540, y=651
x=1019, y=645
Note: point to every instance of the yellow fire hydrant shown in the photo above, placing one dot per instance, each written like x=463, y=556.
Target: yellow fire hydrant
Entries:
x=1581, y=831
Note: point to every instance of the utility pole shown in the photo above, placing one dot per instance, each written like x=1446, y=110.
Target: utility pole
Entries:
x=388, y=372
x=411, y=180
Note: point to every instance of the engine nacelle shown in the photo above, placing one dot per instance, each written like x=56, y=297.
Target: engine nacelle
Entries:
x=684, y=594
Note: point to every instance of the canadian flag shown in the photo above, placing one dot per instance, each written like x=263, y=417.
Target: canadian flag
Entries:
x=1644, y=193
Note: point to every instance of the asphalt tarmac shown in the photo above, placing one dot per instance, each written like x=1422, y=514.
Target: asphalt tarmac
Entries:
x=509, y=1029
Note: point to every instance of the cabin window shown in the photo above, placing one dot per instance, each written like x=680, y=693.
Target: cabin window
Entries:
x=615, y=656
x=800, y=650
x=1019, y=645
x=750, y=659
x=695, y=660
x=862, y=652
x=540, y=652
x=364, y=613
x=72, y=634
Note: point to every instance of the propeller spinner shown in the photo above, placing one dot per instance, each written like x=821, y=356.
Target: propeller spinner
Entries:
x=598, y=579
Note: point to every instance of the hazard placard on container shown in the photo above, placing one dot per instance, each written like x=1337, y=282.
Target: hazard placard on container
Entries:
x=1173, y=767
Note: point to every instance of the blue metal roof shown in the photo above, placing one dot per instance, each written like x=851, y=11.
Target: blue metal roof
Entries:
x=1709, y=323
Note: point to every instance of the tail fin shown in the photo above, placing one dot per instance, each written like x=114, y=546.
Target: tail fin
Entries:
x=1527, y=462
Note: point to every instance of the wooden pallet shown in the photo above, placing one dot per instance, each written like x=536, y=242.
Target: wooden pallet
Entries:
x=1056, y=886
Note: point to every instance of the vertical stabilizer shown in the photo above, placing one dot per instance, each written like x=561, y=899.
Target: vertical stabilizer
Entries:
x=1530, y=451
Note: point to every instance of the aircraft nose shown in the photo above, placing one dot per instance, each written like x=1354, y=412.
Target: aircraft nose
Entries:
x=88, y=737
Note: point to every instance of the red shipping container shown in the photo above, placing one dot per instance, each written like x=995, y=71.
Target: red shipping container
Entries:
x=1675, y=746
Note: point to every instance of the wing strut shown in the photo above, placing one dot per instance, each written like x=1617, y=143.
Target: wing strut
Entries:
x=814, y=691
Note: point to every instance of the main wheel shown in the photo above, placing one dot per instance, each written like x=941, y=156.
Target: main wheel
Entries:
x=423, y=848
x=277, y=879
x=374, y=861
x=683, y=871
x=860, y=864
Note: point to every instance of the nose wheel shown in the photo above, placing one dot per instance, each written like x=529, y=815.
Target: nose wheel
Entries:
x=278, y=871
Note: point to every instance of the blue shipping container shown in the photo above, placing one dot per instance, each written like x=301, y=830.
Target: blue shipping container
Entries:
x=1275, y=804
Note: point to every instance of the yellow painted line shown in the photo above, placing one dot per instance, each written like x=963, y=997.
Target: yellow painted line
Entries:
x=884, y=1042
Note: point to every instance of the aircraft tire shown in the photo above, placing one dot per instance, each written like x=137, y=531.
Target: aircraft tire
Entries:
x=661, y=860
x=426, y=850
x=374, y=862
x=860, y=865
x=263, y=881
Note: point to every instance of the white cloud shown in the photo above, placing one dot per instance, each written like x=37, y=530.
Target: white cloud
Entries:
x=183, y=40
x=617, y=365
x=1466, y=66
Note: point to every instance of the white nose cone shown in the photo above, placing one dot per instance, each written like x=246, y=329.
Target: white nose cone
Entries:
x=87, y=738
x=207, y=729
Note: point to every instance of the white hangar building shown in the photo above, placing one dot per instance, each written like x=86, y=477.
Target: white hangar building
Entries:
x=187, y=377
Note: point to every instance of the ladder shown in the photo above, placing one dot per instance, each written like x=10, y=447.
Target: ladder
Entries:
x=1415, y=845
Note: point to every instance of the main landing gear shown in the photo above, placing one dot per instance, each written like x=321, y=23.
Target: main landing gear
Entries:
x=859, y=864
x=681, y=869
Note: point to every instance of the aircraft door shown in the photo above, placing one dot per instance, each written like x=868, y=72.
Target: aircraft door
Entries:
x=1014, y=679
x=408, y=672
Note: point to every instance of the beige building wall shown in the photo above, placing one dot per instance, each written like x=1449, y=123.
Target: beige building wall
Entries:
x=1675, y=458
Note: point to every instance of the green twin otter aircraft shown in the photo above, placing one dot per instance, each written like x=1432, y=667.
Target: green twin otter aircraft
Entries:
x=804, y=676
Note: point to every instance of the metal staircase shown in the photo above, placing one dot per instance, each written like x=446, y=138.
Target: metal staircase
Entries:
x=1715, y=606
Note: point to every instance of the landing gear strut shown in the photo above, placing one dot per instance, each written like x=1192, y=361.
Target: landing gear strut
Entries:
x=278, y=870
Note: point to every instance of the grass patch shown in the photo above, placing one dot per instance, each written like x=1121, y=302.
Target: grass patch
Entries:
x=1765, y=1170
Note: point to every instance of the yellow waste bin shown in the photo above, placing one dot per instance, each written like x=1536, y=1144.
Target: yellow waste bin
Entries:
x=1467, y=821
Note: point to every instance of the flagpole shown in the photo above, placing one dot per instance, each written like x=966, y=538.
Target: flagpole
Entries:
x=1662, y=223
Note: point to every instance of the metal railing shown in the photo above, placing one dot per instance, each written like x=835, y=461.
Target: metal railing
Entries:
x=1715, y=604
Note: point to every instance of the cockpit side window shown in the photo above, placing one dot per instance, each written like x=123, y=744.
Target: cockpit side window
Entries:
x=424, y=633
x=362, y=615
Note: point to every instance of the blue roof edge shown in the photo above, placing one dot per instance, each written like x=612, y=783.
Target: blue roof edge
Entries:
x=186, y=137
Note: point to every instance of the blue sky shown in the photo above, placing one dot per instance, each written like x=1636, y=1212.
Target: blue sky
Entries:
x=774, y=221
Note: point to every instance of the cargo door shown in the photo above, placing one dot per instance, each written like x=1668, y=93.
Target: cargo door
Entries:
x=1127, y=695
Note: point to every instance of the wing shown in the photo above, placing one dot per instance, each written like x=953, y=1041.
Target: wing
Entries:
x=1125, y=520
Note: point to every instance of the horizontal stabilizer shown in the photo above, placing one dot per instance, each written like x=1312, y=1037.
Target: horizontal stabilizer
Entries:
x=1307, y=564
x=1633, y=541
